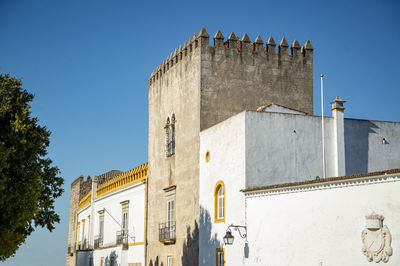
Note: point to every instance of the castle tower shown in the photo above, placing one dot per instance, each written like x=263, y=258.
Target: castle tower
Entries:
x=72, y=225
x=195, y=88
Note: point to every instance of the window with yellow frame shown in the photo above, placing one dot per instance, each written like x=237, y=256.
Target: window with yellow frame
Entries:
x=220, y=257
x=219, y=202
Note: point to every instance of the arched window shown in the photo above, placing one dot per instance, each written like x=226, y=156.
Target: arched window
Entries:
x=170, y=136
x=219, y=202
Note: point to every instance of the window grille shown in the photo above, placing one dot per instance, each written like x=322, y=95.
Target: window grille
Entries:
x=170, y=136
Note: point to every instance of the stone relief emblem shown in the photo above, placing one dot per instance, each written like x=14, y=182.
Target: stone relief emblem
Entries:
x=376, y=239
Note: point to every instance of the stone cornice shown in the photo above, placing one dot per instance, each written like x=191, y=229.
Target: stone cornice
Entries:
x=324, y=184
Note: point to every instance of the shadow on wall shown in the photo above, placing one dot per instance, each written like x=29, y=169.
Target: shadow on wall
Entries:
x=156, y=262
x=356, y=145
x=190, y=250
x=201, y=234
x=207, y=241
x=111, y=259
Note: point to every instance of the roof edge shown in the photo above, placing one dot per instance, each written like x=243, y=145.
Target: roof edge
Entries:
x=321, y=180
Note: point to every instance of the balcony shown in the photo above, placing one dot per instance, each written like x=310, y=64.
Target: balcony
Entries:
x=166, y=233
x=98, y=241
x=122, y=238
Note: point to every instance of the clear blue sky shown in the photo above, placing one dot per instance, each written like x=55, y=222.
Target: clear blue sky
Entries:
x=88, y=64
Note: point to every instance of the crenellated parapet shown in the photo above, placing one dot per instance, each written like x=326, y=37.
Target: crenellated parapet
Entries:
x=241, y=46
x=180, y=54
x=86, y=186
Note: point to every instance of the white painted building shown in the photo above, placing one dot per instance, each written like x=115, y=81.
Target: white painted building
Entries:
x=259, y=151
x=111, y=226
x=323, y=222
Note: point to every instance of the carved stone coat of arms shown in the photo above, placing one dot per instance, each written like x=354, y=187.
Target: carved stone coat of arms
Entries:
x=376, y=239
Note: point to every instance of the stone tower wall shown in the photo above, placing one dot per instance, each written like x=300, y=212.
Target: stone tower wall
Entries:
x=73, y=209
x=238, y=75
x=174, y=88
x=204, y=85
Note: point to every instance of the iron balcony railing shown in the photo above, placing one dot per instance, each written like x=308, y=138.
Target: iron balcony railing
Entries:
x=122, y=237
x=98, y=241
x=166, y=232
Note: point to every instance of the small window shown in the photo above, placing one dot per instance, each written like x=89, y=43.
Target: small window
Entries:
x=170, y=223
x=125, y=217
x=83, y=232
x=220, y=254
x=170, y=211
x=125, y=223
x=219, y=202
x=101, y=226
x=207, y=156
x=170, y=136
x=169, y=260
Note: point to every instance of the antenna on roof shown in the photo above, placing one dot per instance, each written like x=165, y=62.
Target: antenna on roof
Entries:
x=322, y=124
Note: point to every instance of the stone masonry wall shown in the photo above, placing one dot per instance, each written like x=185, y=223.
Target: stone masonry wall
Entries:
x=73, y=209
x=238, y=75
x=174, y=88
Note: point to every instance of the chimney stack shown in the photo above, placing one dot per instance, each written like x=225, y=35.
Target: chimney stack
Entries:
x=338, y=135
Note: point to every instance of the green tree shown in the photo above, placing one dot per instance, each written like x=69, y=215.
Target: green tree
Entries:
x=28, y=182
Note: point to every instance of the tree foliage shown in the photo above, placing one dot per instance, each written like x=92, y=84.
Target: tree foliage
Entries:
x=28, y=182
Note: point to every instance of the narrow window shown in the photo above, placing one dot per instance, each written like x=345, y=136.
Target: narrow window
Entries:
x=219, y=202
x=170, y=224
x=220, y=257
x=170, y=136
x=167, y=125
x=169, y=260
x=83, y=233
x=125, y=222
x=170, y=211
x=101, y=227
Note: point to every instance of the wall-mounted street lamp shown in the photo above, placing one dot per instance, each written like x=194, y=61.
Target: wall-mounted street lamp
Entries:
x=228, y=238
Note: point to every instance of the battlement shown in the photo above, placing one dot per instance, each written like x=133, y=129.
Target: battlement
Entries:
x=241, y=46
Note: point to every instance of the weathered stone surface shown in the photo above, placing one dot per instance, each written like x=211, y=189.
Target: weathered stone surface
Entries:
x=72, y=224
x=178, y=92
x=232, y=82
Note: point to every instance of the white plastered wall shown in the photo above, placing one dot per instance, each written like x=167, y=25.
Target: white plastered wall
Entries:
x=321, y=227
x=111, y=202
x=225, y=141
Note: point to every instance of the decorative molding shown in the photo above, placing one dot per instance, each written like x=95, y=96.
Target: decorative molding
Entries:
x=170, y=188
x=368, y=180
x=125, y=202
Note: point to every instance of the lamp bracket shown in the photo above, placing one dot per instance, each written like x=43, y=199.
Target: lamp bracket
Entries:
x=239, y=228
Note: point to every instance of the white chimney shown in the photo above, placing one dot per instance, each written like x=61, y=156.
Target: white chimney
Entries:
x=338, y=137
